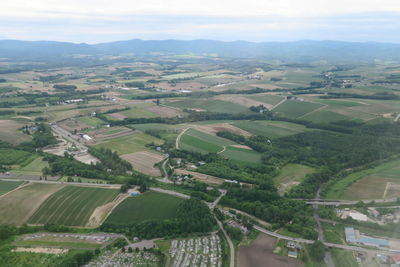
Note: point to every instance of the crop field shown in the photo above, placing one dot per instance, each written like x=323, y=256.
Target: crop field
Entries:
x=72, y=205
x=139, y=112
x=7, y=186
x=191, y=143
x=290, y=175
x=33, y=168
x=267, y=98
x=10, y=133
x=380, y=182
x=130, y=143
x=9, y=156
x=210, y=138
x=144, y=162
x=242, y=154
x=91, y=121
x=209, y=105
x=272, y=129
x=149, y=206
x=295, y=109
x=18, y=206
x=323, y=116
x=213, y=128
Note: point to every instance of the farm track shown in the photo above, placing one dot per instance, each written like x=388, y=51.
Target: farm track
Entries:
x=280, y=103
x=178, y=138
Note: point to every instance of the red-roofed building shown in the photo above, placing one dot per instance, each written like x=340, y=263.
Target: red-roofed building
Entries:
x=395, y=259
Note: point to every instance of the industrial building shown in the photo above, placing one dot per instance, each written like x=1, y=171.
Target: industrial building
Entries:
x=354, y=236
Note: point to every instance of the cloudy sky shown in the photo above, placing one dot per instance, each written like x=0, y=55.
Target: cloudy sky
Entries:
x=94, y=21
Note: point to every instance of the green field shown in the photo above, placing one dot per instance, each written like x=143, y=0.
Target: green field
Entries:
x=324, y=116
x=130, y=143
x=149, y=206
x=91, y=121
x=268, y=99
x=33, y=168
x=351, y=187
x=138, y=112
x=210, y=138
x=293, y=172
x=272, y=129
x=9, y=156
x=191, y=143
x=242, y=154
x=18, y=206
x=209, y=105
x=72, y=205
x=295, y=109
x=7, y=186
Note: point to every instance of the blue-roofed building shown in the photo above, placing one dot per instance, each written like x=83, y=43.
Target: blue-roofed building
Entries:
x=354, y=236
x=134, y=194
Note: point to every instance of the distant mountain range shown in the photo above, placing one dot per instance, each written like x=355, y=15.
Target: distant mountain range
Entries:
x=299, y=51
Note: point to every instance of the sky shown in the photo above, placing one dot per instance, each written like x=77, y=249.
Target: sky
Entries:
x=96, y=21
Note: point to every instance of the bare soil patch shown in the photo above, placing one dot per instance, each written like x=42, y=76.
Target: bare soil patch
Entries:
x=72, y=124
x=214, y=128
x=182, y=86
x=118, y=116
x=101, y=213
x=266, y=86
x=242, y=146
x=208, y=179
x=163, y=111
x=259, y=254
x=41, y=250
x=144, y=162
x=373, y=187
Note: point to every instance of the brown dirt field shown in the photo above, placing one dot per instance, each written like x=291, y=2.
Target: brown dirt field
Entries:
x=214, y=128
x=101, y=213
x=242, y=146
x=72, y=124
x=259, y=254
x=182, y=86
x=208, y=179
x=266, y=86
x=163, y=111
x=42, y=250
x=18, y=206
x=144, y=161
x=372, y=187
x=118, y=116
x=393, y=190
x=241, y=100
x=9, y=132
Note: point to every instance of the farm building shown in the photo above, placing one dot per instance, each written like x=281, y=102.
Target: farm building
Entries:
x=87, y=137
x=354, y=236
x=292, y=254
x=134, y=194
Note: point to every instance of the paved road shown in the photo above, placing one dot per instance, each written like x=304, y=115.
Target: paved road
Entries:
x=215, y=203
x=169, y=192
x=328, y=257
x=346, y=202
x=231, y=247
x=68, y=136
x=67, y=183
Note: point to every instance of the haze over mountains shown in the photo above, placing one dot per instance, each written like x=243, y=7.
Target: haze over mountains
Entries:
x=300, y=51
